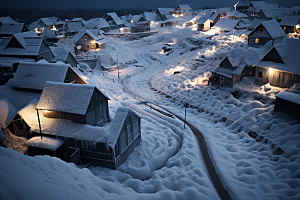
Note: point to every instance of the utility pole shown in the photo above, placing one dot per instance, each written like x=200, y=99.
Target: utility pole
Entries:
x=37, y=112
x=118, y=66
x=184, y=117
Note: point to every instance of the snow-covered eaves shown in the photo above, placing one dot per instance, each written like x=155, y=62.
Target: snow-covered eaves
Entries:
x=165, y=11
x=93, y=33
x=255, y=23
x=60, y=53
x=35, y=75
x=202, y=21
x=115, y=17
x=101, y=23
x=47, y=143
x=226, y=24
x=7, y=19
x=48, y=21
x=273, y=28
x=289, y=96
x=291, y=20
x=272, y=13
x=74, y=26
x=11, y=28
x=151, y=16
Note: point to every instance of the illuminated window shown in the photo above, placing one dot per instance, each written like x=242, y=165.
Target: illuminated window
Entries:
x=256, y=40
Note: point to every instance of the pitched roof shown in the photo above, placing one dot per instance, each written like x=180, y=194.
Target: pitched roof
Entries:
x=29, y=41
x=35, y=75
x=11, y=28
x=202, y=21
x=7, y=19
x=115, y=17
x=273, y=28
x=66, y=97
x=90, y=32
x=292, y=20
x=74, y=26
x=49, y=20
x=258, y=4
x=101, y=23
x=289, y=96
x=60, y=53
x=273, y=13
x=49, y=33
x=185, y=6
x=226, y=24
x=255, y=23
x=151, y=16
x=288, y=51
x=165, y=11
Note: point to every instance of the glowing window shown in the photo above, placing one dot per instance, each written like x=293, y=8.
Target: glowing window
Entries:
x=256, y=40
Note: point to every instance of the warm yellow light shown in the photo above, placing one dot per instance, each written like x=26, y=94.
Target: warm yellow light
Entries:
x=256, y=40
x=271, y=71
x=297, y=26
x=93, y=41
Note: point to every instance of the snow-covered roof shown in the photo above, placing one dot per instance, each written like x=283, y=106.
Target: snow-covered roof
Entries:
x=7, y=19
x=92, y=33
x=214, y=15
x=292, y=20
x=240, y=15
x=289, y=96
x=49, y=20
x=255, y=23
x=258, y=4
x=117, y=124
x=48, y=33
x=185, y=6
x=226, y=24
x=165, y=11
x=8, y=111
x=202, y=21
x=48, y=143
x=11, y=28
x=66, y=97
x=90, y=24
x=29, y=41
x=60, y=53
x=101, y=23
x=74, y=26
x=115, y=17
x=62, y=127
x=151, y=16
x=232, y=13
x=273, y=28
x=272, y=13
x=35, y=75
x=106, y=61
x=288, y=51
x=226, y=9
x=241, y=3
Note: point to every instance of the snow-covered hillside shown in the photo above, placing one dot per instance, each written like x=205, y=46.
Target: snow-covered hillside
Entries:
x=255, y=150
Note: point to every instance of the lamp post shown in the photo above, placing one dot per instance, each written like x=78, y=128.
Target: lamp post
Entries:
x=37, y=112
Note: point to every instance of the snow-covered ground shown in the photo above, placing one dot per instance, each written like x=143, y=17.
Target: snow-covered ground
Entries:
x=255, y=150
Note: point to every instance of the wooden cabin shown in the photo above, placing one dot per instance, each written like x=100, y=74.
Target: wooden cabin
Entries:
x=161, y=12
x=264, y=32
x=8, y=29
x=288, y=103
x=25, y=45
x=113, y=20
x=290, y=24
x=280, y=66
x=203, y=24
x=85, y=40
x=184, y=9
x=88, y=105
x=139, y=24
x=33, y=76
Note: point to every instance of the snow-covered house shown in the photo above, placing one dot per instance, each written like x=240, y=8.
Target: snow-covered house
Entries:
x=85, y=40
x=25, y=45
x=203, y=24
x=288, y=103
x=255, y=22
x=280, y=66
x=161, y=12
x=32, y=77
x=255, y=6
x=184, y=9
x=7, y=19
x=80, y=103
x=215, y=17
x=73, y=27
x=139, y=24
x=113, y=20
x=63, y=55
x=237, y=64
x=241, y=5
x=51, y=36
x=106, y=62
x=151, y=17
x=168, y=20
x=290, y=24
x=226, y=25
x=269, y=14
x=8, y=29
x=48, y=22
x=102, y=24
x=264, y=32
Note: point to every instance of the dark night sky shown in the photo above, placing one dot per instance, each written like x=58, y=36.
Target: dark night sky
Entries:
x=119, y=4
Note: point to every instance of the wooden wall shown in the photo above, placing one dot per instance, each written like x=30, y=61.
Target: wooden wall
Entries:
x=261, y=75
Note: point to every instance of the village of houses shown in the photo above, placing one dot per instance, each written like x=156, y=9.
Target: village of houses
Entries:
x=105, y=94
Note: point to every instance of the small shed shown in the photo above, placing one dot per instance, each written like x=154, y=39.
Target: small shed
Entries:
x=80, y=103
x=290, y=24
x=264, y=32
x=45, y=145
x=63, y=55
x=203, y=24
x=280, y=66
x=288, y=103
